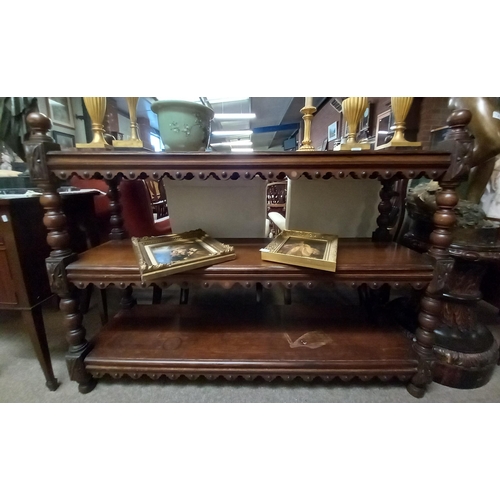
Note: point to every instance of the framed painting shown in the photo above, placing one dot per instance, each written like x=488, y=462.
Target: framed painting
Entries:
x=332, y=131
x=302, y=248
x=438, y=135
x=66, y=141
x=383, y=132
x=60, y=111
x=175, y=253
x=365, y=125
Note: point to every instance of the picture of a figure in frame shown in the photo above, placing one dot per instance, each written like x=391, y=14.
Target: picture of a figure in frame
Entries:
x=301, y=247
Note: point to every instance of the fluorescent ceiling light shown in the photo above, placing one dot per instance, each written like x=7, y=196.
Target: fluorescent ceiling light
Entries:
x=242, y=142
x=214, y=100
x=242, y=150
x=232, y=132
x=234, y=116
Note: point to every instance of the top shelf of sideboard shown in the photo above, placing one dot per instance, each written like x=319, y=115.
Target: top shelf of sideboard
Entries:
x=268, y=165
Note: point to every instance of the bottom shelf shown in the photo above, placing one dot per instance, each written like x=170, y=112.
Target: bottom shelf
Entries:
x=277, y=341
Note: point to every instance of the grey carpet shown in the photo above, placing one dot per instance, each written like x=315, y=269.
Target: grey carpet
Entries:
x=22, y=381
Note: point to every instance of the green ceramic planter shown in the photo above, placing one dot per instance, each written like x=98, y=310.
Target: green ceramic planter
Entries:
x=184, y=125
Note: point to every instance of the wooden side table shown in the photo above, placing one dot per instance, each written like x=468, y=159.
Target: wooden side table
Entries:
x=24, y=284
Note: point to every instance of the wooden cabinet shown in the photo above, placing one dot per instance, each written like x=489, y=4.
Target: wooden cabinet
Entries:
x=252, y=340
x=24, y=284
x=23, y=280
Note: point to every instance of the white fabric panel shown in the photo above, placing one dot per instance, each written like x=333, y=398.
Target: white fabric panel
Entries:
x=223, y=209
x=345, y=207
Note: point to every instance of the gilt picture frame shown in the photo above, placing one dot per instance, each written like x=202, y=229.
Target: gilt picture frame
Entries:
x=160, y=256
x=302, y=248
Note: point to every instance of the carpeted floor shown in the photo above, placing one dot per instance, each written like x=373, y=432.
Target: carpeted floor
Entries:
x=22, y=381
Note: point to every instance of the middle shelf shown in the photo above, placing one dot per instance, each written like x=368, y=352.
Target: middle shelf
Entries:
x=358, y=261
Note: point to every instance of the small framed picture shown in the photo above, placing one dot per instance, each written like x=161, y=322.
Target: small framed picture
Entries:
x=175, y=253
x=365, y=124
x=383, y=132
x=302, y=248
x=438, y=135
x=332, y=131
x=66, y=141
x=60, y=111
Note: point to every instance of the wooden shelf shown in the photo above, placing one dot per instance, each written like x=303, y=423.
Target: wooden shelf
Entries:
x=358, y=261
x=250, y=341
x=269, y=165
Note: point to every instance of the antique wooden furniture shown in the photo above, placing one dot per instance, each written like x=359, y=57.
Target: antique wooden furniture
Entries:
x=137, y=211
x=23, y=249
x=23, y=279
x=158, y=197
x=251, y=340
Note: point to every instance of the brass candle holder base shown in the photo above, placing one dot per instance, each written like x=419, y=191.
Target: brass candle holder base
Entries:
x=400, y=144
x=353, y=146
x=129, y=143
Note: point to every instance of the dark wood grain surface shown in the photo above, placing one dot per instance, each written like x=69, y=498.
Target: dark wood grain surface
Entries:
x=272, y=165
x=249, y=339
x=357, y=258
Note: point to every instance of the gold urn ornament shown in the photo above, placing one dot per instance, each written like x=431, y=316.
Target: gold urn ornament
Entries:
x=400, y=109
x=353, y=109
x=96, y=107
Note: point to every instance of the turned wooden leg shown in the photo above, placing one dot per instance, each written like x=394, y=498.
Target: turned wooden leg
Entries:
x=428, y=320
x=103, y=306
x=86, y=295
x=382, y=233
x=184, y=296
x=79, y=347
x=157, y=293
x=36, y=329
x=258, y=292
x=128, y=300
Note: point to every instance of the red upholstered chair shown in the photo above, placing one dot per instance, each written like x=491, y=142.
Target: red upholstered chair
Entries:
x=137, y=212
x=138, y=217
x=101, y=203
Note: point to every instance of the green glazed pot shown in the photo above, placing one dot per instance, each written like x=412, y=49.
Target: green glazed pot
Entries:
x=184, y=125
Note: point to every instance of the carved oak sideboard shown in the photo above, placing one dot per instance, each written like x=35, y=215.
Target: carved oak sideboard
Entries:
x=255, y=340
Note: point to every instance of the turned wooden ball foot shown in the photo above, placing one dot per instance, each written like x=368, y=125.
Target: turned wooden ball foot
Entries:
x=88, y=386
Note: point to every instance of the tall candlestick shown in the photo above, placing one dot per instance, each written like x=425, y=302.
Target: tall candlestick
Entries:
x=134, y=141
x=307, y=111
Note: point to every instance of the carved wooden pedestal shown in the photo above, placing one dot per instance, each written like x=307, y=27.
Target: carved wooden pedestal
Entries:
x=465, y=350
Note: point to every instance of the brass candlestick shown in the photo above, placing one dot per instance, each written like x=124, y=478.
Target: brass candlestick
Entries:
x=134, y=141
x=400, y=109
x=96, y=106
x=353, y=109
x=307, y=111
